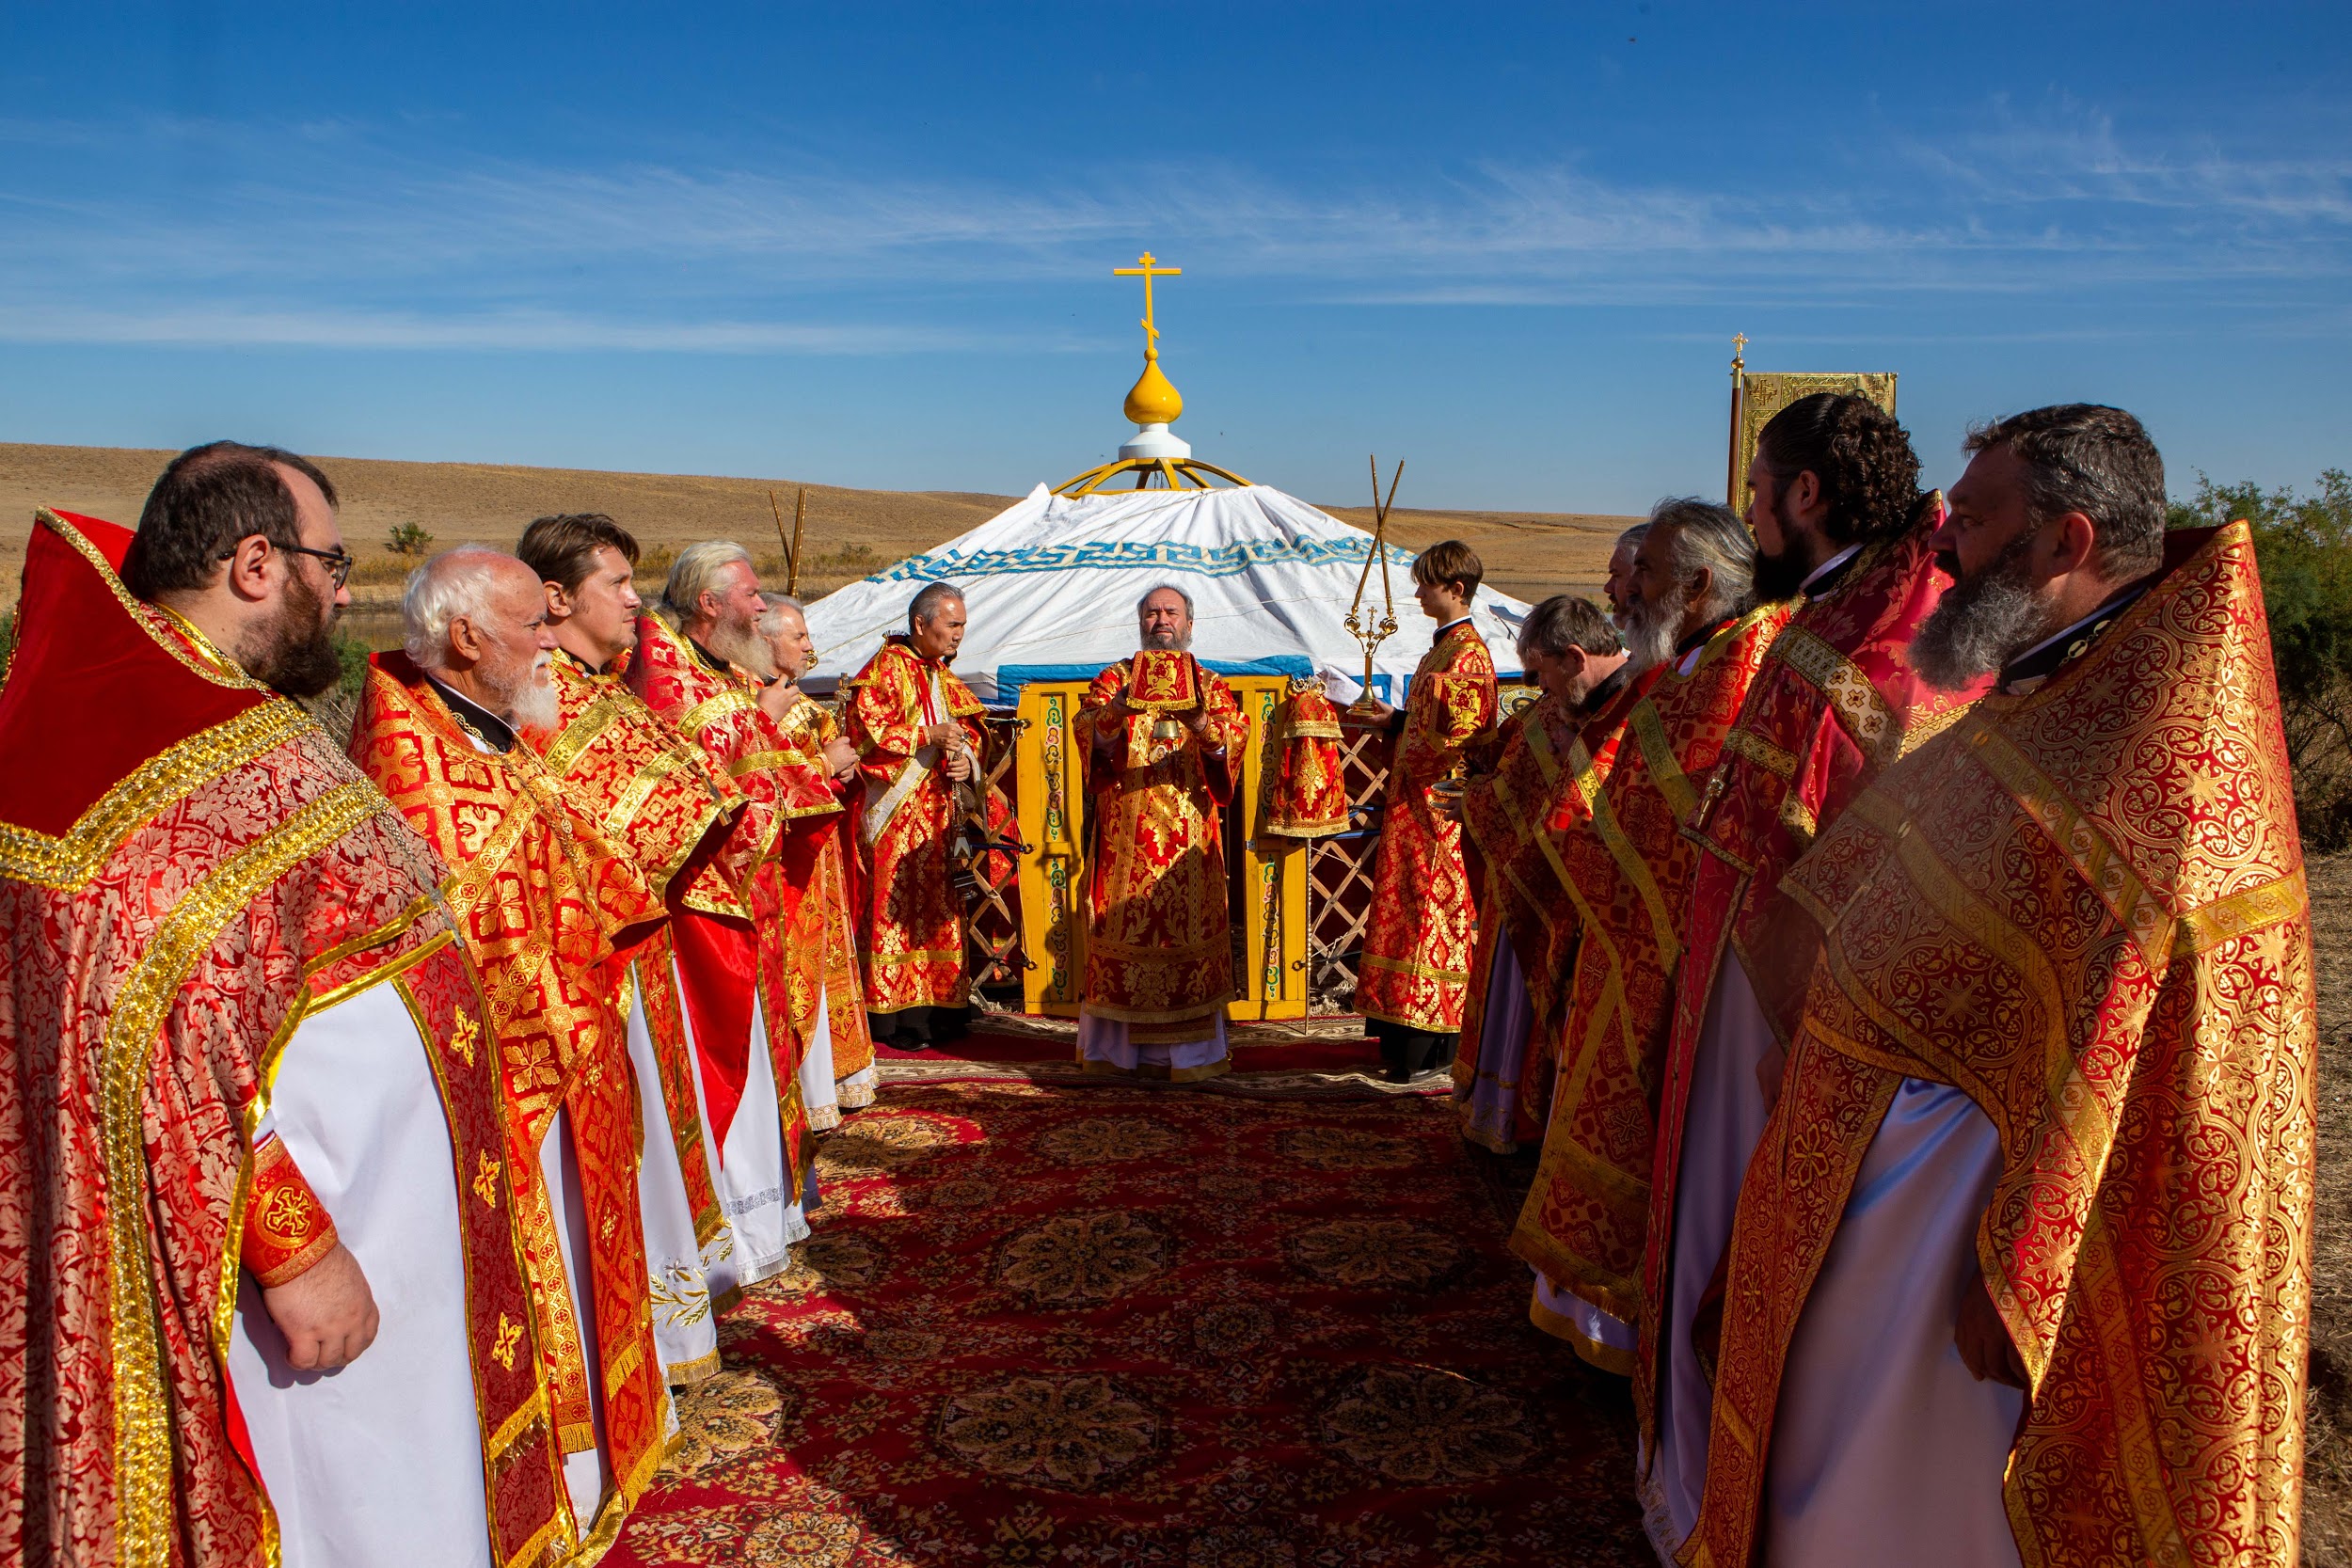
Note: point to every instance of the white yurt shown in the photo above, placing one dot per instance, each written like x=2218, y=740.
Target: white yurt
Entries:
x=1052, y=582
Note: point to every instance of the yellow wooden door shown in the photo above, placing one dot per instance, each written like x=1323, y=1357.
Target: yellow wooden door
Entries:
x=1052, y=794
x=1271, y=980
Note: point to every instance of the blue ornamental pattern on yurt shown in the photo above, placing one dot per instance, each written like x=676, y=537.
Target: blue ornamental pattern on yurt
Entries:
x=1132, y=555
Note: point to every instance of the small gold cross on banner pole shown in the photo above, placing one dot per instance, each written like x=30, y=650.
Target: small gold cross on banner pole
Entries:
x=1146, y=267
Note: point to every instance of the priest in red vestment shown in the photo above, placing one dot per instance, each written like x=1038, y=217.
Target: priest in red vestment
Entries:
x=699, y=665
x=543, y=904
x=1414, y=976
x=1531, y=784
x=653, y=794
x=263, y=1302
x=1624, y=869
x=1843, y=532
x=2021, y=1270
x=917, y=735
x=1163, y=741
x=829, y=1003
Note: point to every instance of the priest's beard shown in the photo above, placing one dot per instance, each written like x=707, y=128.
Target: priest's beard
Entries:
x=1650, y=634
x=1780, y=576
x=740, y=643
x=532, y=704
x=1983, y=623
x=1177, y=642
x=296, y=656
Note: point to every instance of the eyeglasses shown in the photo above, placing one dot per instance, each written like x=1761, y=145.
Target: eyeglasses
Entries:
x=339, y=561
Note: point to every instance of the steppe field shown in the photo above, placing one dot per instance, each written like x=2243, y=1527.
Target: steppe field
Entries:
x=850, y=533
x=853, y=532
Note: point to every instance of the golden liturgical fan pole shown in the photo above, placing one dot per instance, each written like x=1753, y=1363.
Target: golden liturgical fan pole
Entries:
x=1360, y=625
x=1154, y=404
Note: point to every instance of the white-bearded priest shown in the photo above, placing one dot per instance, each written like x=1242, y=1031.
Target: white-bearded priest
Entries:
x=1163, y=740
x=2022, y=1265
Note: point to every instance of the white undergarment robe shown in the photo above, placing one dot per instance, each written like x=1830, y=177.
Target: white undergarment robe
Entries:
x=1884, y=1449
x=1108, y=1044
x=1721, y=1121
x=684, y=1330
x=378, y=1463
x=1490, y=1103
x=755, y=1192
x=819, y=1095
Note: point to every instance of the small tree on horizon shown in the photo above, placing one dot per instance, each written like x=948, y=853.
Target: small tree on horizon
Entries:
x=410, y=540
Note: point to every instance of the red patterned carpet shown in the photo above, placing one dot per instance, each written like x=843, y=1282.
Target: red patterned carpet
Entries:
x=1134, y=1328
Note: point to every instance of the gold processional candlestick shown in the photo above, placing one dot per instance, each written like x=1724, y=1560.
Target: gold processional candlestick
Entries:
x=1361, y=627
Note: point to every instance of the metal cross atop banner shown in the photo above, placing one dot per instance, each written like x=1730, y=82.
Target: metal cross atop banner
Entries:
x=1146, y=267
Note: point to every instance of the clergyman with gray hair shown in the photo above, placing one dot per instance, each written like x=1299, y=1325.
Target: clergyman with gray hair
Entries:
x=699, y=664
x=1163, y=738
x=918, y=739
x=1695, y=639
x=1572, y=647
x=535, y=895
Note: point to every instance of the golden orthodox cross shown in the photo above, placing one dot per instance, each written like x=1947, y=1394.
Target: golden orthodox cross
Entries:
x=1147, y=268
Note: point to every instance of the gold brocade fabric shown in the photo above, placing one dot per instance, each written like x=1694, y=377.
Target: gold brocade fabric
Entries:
x=2085, y=907
x=1417, y=941
x=1834, y=705
x=1306, y=781
x=655, y=794
x=542, y=904
x=1544, y=777
x=825, y=954
x=911, y=923
x=164, y=928
x=1626, y=871
x=1159, y=947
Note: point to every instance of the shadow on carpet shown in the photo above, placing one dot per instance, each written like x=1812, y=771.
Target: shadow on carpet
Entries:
x=1139, y=1328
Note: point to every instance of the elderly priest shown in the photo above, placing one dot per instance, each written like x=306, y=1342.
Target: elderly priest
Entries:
x=543, y=904
x=1163, y=739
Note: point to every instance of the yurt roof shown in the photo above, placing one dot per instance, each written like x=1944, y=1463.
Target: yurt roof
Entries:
x=1051, y=584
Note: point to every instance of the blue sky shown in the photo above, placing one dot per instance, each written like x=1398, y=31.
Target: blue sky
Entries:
x=872, y=244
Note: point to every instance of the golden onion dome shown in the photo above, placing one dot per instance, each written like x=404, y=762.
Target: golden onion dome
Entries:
x=1153, y=399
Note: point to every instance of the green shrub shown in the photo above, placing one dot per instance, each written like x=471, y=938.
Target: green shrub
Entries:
x=2304, y=546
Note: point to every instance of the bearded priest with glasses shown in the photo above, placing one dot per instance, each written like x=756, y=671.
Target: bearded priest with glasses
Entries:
x=262, y=1299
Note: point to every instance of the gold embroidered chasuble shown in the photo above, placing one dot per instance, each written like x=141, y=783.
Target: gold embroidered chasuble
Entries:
x=1417, y=941
x=824, y=945
x=2085, y=907
x=911, y=923
x=1306, y=780
x=653, y=793
x=543, y=905
x=1835, y=705
x=1159, y=948
x=179, y=886
x=730, y=936
x=1626, y=871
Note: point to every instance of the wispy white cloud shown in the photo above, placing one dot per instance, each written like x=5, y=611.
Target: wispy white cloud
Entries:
x=332, y=235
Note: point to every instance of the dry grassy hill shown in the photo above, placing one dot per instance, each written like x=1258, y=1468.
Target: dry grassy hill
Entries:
x=850, y=532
